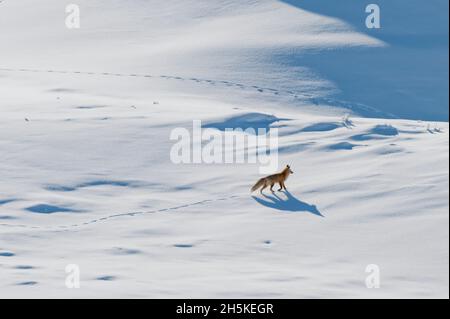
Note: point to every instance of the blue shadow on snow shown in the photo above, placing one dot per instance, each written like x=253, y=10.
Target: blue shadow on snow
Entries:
x=289, y=204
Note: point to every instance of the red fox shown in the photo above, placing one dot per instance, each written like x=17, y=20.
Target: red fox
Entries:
x=271, y=180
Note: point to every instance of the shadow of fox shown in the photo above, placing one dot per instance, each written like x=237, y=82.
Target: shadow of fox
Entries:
x=288, y=204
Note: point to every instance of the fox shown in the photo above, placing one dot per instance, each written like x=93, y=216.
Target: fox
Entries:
x=271, y=180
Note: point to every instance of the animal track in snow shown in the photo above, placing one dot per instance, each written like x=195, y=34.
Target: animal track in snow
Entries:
x=356, y=107
x=109, y=217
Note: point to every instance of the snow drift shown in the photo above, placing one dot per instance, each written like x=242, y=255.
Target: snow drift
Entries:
x=87, y=179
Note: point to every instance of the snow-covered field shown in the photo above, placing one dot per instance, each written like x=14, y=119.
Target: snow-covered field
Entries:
x=87, y=178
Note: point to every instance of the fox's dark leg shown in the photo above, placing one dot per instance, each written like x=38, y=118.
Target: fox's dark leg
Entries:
x=284, y=186
x=263, y=188
x=271, y=187
x=281, y=186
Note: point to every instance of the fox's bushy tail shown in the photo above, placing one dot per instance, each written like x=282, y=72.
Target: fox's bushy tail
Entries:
x=258, y=184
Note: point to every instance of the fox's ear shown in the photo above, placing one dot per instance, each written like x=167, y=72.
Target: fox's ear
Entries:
x=288, y=166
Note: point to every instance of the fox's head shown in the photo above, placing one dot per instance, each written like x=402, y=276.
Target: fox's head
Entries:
x=288, y=168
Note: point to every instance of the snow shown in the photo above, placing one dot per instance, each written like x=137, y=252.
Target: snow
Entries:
x=85, y=151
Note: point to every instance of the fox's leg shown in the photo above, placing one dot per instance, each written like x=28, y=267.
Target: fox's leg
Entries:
x=284, y=186
x=281, y=186
x=271, y=187
x=263, y=188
